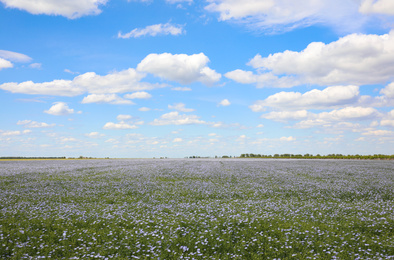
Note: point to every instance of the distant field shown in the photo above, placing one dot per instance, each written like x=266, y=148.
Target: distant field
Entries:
x=197, y=209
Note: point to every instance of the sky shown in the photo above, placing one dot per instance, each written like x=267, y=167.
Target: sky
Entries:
x=177, y=78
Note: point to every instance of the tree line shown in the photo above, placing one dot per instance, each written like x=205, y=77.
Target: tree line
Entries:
x=318, y=156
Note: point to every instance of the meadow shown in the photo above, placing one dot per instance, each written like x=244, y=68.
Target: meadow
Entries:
x=197, y=209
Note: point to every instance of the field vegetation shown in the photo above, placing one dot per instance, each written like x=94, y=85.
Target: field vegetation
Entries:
x=197, y=209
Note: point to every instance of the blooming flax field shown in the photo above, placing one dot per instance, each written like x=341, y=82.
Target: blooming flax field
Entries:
x=197, y=209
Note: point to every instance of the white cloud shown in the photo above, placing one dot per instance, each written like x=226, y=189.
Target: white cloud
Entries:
x=287, y=139
x=285, y=15
x=181, y=89
x=224, y=103
x=174, y=118
x=181, y=68
x=326, y=98
x=14, y=133
x=14, y=56
x=154, y=30
x=71, y=72
x=144, y=109
x=59, y=109
x=388, y=119
x=5, y=64
x=69, y=8
x=106, y=98
x=377, y=6
x=54, y=88
x=177, y=140
x=180, y=107
x=387, y=122
x=35, y=65
x=326, y=119
x=350, y=113
x=138, y=95
x=125, y=122
x=379, y=133
x=7, y=56
x=94, y=135
x=241, y=138
x=388, y=90
x=112, y=140
x=34, y=124
x=262, y=80
x=355, y=59
x=68, y=139
x=115, y=82
x=124, y=117
x=179, y=1
x=120, y=125
x=286, y=115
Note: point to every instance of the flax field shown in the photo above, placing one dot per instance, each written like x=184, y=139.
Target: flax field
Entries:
x=197, y=209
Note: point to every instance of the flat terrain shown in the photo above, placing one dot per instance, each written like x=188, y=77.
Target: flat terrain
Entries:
x=197, y=209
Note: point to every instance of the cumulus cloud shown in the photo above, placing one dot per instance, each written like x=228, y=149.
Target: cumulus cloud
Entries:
x=125, y=122
x=124, y=117
x=4, y=64
x=154, y=30
x=138, y=95
x=377, y=6
x=59, y=109
x=69, y=8
x=106, y=98
x=350, y=113
x=379, y=133
x=263, y=79
x=286, y=115
x=177, y=140
x=174, y=118
x=181, y=89
x=7, y=57
x=326, y=119
x=34, y=124
x=144, y=109
x=115, y=82
x=287, y=139
x=356, y=59
x=224, y=103
x=94, y=135
x=120, y=125
x=53, y=88
x=388, y=90
x=181, y=68
x=388, y=119
x=314, y=99
x=387, y=122
x=285, y=15
x=180, y=107
x=13, y=133
x=35, y=65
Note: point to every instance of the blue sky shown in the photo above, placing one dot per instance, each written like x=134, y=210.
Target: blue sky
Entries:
x=177, y=78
